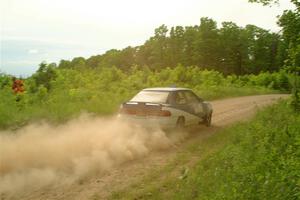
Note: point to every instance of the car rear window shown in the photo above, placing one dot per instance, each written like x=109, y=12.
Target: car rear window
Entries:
x=151, y=97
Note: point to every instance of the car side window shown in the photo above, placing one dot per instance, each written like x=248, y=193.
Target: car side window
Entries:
x=191, y=97
x=180, y=98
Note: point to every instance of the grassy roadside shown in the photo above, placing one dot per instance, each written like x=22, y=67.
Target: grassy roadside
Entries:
x=252, y=160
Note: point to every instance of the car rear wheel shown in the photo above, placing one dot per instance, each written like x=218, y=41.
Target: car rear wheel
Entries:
x=207, y=120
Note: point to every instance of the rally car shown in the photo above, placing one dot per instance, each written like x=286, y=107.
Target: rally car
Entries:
x=167, y=108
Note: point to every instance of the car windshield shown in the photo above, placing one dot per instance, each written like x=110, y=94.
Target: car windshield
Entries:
x=151, y=97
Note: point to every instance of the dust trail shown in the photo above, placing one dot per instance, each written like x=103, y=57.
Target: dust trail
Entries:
x=41, y=154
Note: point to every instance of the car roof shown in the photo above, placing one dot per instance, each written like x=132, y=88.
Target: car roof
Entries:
x=165, y=89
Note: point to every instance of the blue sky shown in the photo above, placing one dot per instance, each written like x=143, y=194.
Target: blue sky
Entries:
x=33, y=31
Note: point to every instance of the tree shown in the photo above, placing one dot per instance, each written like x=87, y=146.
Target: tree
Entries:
x=64, y=64
x=159, y=47
x=78, y=63
x=233, y=48
x=44, y=75
x=206, y=43
x=127, y=58
x=175, y=46
x=263, y=49
x=189, y=57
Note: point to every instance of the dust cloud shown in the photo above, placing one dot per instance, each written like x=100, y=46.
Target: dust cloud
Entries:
x=41, y=154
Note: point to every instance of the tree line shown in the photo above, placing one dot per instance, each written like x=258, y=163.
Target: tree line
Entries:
x=230, y=49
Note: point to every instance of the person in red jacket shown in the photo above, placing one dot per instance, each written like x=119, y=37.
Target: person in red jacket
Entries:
x=18, y=86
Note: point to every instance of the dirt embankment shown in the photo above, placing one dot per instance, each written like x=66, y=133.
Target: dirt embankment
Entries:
x=74, y=160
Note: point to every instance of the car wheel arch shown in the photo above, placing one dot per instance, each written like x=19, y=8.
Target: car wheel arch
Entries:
x=180, y=119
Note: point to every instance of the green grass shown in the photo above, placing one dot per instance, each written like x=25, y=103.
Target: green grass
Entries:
x=258, y=159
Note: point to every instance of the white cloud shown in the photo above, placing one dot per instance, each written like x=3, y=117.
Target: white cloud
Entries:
x=33, y=51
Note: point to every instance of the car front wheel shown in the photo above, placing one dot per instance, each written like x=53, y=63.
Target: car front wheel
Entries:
x=207, y=120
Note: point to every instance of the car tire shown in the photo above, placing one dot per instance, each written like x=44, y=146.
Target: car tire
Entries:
x=207, y=120
x=180, y=124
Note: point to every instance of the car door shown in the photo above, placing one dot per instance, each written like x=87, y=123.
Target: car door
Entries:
x=194, y=103
x=185, y=108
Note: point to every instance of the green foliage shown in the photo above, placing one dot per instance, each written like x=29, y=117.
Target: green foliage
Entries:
x=295, y=100
x=265, y=2
x=44, y=75
x=4, y=81
x=58, y=94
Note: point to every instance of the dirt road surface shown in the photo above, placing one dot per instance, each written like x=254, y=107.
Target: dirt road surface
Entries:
x=129, y=171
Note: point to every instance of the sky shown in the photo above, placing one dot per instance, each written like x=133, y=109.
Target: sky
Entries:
x=33, y=31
